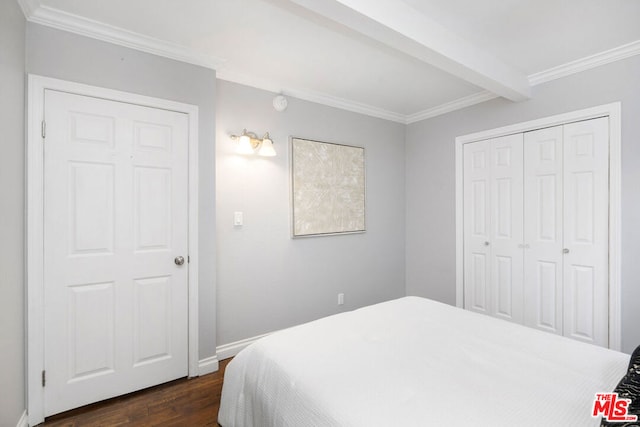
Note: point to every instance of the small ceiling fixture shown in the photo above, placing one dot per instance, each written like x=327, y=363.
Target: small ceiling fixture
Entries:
x=249, y=143
x=280, y=103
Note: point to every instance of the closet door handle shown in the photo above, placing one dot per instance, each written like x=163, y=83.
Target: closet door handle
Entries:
x=565, y=251
x=486, y=243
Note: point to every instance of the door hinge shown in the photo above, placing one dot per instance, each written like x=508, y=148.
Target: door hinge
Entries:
x=44, y=129
x=44, y=378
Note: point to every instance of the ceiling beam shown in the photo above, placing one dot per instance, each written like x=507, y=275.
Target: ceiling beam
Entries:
x=396, y=24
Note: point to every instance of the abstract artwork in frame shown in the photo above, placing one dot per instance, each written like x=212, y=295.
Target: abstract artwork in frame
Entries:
x=327, y=188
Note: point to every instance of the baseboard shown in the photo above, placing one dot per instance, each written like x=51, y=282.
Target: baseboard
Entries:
x=226, y=351
x=208, y=365
x=24, y=420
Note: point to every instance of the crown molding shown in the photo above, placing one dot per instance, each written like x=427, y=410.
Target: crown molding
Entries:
x=58, y=19
x=346, y=104
x=448, y=107
x=244, y=79
x=311, y=96
x=564, y=70
x=587, y=63
x=44, y=15
x=29, y=7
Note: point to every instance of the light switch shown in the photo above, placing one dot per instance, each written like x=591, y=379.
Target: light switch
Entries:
x=238, y=219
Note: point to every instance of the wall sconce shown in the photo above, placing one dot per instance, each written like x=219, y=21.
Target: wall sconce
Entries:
x=249, y=143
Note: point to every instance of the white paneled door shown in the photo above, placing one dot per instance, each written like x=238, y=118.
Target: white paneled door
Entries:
x=477, y=226
x=543, y=233
x=536, y=229
x=586, y=233
x=115, y=229
x=507, y=222
x=493, y=227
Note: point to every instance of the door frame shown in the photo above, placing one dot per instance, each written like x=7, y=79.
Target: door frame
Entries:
x=613, y=111
x=35, y=223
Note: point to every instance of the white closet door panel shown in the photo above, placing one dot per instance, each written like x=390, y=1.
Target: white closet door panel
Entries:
x=507, y=228
x=586, y=180
x=543, y=158
x=477, y=226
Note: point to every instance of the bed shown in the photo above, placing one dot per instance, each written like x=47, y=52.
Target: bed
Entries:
x=416, y=362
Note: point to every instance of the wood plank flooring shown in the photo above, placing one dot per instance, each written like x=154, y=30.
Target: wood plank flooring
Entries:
x=186, y=402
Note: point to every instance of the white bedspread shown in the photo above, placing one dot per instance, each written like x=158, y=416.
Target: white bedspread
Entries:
x=416, y=362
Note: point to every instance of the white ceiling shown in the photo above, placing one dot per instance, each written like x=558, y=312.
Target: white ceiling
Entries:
x=402, y=60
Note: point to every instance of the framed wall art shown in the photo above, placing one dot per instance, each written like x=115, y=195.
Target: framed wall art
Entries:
x=327, y=188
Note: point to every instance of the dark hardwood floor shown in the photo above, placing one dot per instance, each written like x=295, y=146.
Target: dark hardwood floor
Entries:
x=185, y=402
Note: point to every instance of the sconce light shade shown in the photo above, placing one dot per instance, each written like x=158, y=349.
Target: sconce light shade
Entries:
x=249, y=143
x=266, y=148
x=244, y=145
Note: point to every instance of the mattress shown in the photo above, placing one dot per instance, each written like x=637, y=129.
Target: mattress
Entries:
x=416, y=362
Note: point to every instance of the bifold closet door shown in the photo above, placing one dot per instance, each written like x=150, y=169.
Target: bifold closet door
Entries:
x=477, y=183
x=493, y=224
x=566, y=208
x=506, y=248
x=585, y=231
x=536, y=237
x=543, y=201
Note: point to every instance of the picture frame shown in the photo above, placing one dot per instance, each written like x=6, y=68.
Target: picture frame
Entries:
x=328, y=188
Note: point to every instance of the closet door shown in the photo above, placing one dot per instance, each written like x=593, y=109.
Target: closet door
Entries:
x=536, y=237
x=543, y=188
x=566, y=230
x=477, y=184
x=493, y=221
x=586, y=237
x=506, y=249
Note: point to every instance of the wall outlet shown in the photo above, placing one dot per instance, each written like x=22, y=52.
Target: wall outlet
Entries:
x=340, y=299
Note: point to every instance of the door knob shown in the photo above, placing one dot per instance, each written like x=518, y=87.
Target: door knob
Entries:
x=179, y=260
x=565, y=251
x=486, y=243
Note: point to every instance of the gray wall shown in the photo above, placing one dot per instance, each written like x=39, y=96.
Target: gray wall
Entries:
x=266, y=279
x=67, y=56
x=430, y=148
x=12, y=336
